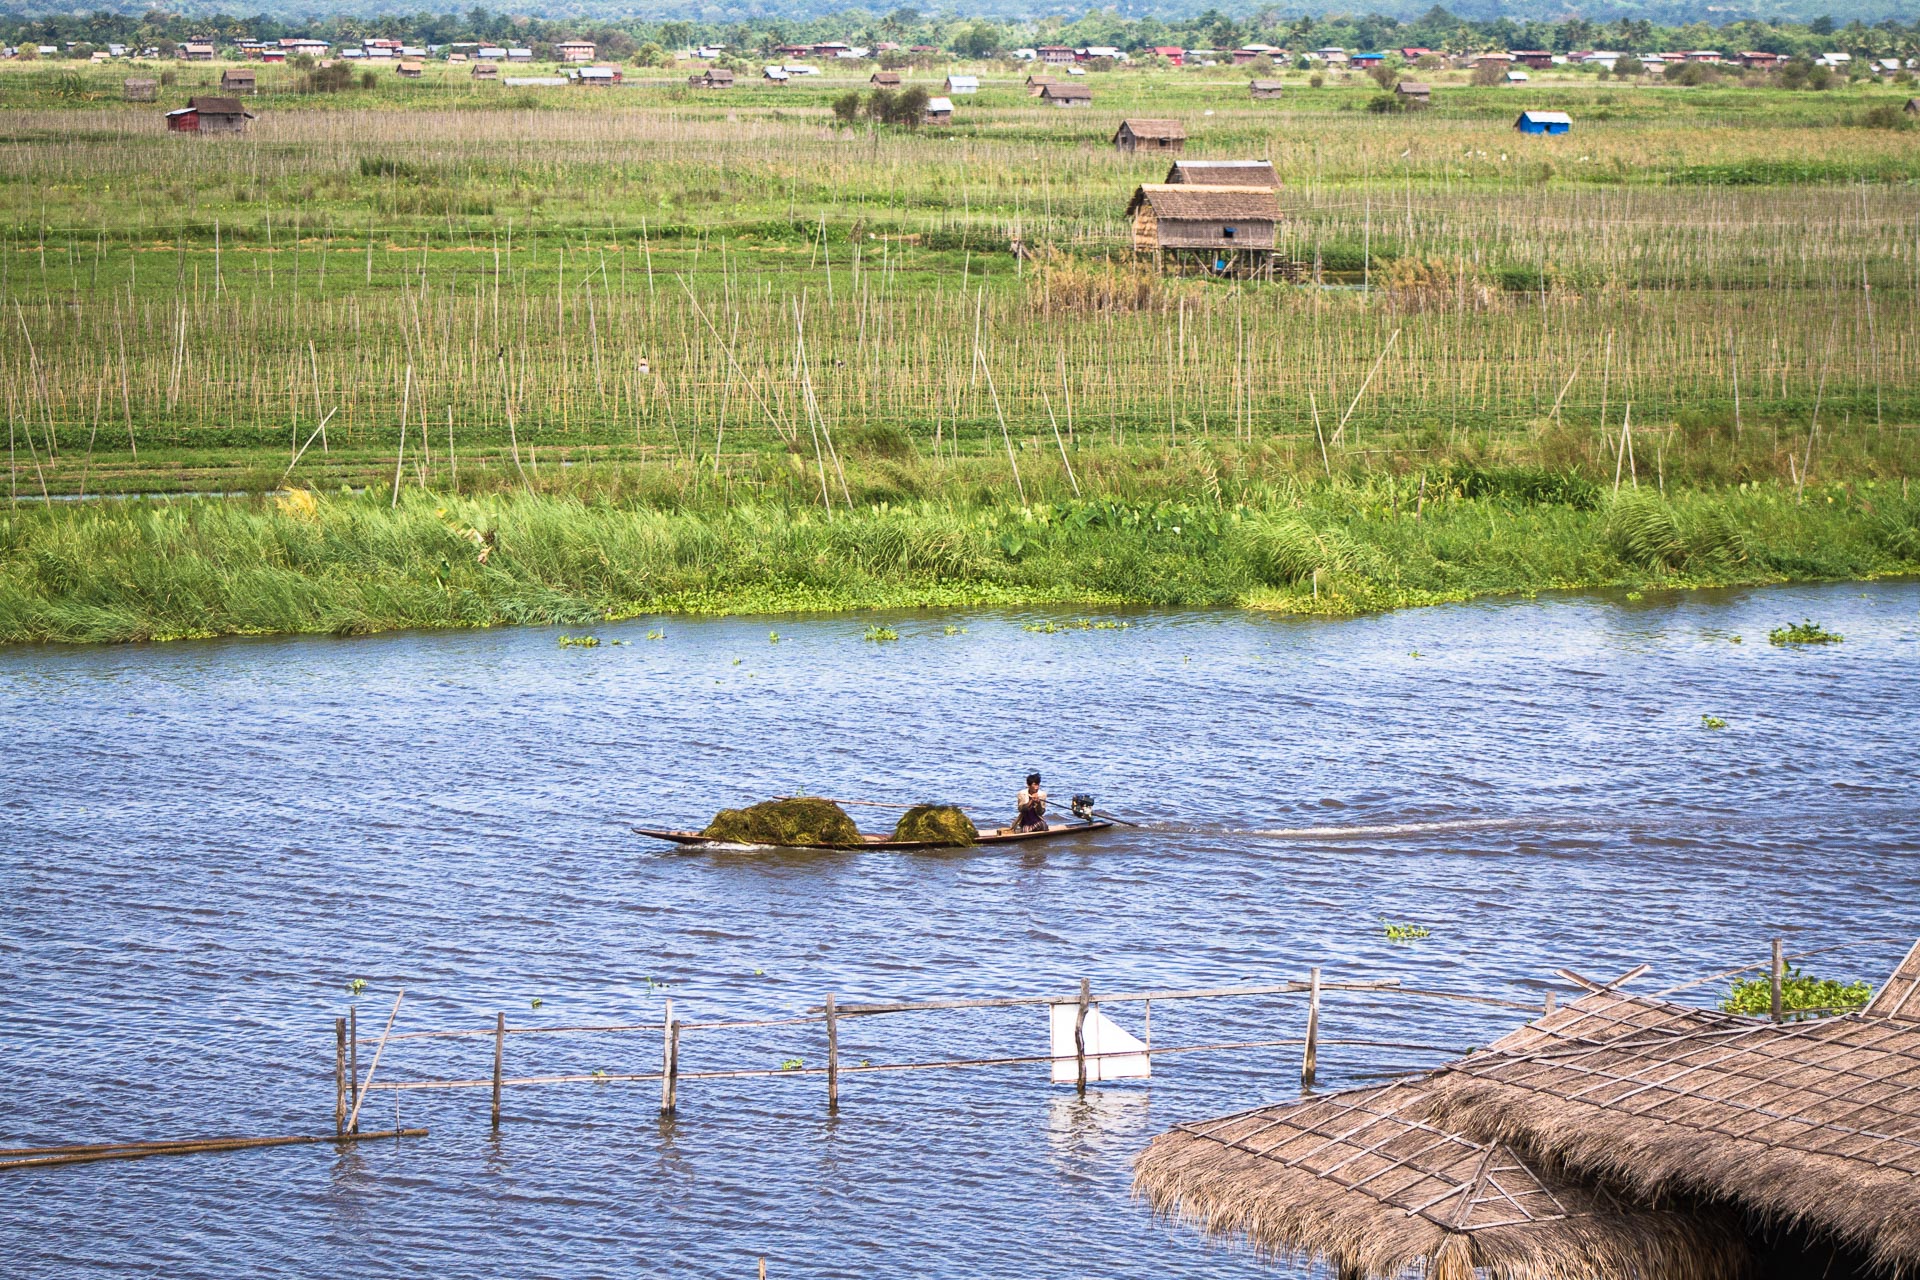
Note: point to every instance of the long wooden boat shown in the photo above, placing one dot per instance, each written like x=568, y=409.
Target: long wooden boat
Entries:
x=998, y=836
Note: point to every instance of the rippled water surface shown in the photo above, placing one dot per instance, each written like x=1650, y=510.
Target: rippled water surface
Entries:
x=203, y=843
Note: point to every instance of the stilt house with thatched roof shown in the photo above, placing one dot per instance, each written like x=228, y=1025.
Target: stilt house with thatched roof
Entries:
x=1215, y=230
x=1619, y=1137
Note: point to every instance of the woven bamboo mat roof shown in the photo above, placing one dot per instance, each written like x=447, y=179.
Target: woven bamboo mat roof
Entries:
x=1815, y=1123
x=1366, y=1182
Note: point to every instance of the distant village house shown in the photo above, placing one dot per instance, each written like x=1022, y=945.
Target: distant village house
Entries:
x=209, y=115
x=1150, y=135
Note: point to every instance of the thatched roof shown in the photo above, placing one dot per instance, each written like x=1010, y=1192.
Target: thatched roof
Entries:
x=1813, y=1123
x=1367, y=1183
x=1172, y=130
x=216, y=106
x=1187, y=202
x=1895, y=999
x=1413, y=89
x=1224, y=173
x=1056, y=92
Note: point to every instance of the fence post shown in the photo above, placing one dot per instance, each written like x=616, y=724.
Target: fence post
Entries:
x=1777, y=970
x=1080, y=1033
x=833, y=1057
x=1310, y=1060
x=339, y=1075
x=669, y=1062
x=499, y=1052
x=353, y=1060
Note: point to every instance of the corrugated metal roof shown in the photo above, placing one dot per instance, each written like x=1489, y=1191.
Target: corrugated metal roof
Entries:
x=1546, y=117
x=1188, y=202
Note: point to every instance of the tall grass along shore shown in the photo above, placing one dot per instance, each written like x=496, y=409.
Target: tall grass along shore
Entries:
x=344, y=563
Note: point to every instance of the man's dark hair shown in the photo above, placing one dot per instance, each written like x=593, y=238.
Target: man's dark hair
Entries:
x=1033, y=778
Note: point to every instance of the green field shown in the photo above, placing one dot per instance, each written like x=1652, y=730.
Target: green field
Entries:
x=656, y=303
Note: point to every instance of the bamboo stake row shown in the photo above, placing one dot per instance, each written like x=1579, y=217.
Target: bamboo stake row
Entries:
x=831, y=1012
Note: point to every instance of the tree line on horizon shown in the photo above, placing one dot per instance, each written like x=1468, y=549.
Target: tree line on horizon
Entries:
x=980, y=37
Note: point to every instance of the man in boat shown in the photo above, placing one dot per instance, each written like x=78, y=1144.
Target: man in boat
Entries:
x=1032, y=804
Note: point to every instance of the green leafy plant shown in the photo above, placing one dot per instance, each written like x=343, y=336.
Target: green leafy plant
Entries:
x=1801, y=997
x=536, y=1002
x=773, y=637
x=355, y=987
x=791, y=1064
x=1051, y=627
x=1712, y=722
x=656, y=634
x=879, y=634
x=1404, y=932
x=1806, y=631
x=599, y=1075
x=579, y=642
x=952, y=630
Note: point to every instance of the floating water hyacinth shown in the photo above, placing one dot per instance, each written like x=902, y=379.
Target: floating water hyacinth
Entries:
x=579, y=642
x=1712, y=722
x=1806, y=631
x=880, y=635
x=1405, y=932
x=1051, y=627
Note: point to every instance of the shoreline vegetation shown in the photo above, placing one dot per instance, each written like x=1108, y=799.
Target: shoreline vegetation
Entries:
x=583, y=551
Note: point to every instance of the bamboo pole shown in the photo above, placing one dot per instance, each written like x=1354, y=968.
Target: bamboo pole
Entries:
x=353, y=1121
x=140, y=1150
x=1080, y=1034
x=1776, y=972
x=1309, y=1060
x=339, y=1075
x=499, y=1053
x=833, y=1057
x=353, y=1057
x=669, y=1062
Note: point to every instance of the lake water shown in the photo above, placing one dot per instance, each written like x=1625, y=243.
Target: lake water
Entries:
x=202, y=844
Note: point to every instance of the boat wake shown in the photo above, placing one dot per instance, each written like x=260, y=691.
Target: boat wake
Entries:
x=1440, y=826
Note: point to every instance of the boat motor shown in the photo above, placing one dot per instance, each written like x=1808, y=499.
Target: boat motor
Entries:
x=1083, y=808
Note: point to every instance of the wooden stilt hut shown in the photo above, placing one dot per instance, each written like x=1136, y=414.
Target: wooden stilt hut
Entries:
x=1366, y=1183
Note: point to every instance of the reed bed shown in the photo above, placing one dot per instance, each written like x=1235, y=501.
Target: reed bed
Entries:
x=357, y=563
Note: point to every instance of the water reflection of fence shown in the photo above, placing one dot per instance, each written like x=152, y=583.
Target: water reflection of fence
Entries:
x=350, y=1090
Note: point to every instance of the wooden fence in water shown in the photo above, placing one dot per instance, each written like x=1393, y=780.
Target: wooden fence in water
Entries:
x=351, y=1090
